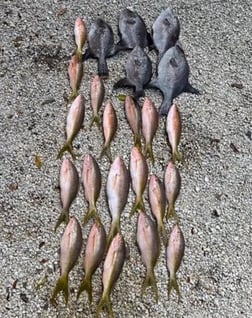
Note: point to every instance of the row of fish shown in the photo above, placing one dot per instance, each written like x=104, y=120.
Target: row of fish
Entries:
x=143, y=123
x=173, y=70
x=117, y=189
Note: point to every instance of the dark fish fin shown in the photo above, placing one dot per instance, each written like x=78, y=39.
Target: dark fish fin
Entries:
x=173, y=284
x=139, y=92
x=190, y=89
x=150, y=41
x=87, y=54
x=103, y=68
x=123, y=82
x=120, y=46
x=165, y=106
x=86, y=285
x=64, y=217
x=61, y=285
x=150, y=280
x=105, y=302
x=153, y=84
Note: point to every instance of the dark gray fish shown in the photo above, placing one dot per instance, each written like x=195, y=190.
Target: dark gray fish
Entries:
x=165, y=31
x=172, y=79
x=138, y=72
x=100, y=45
x=132, y=31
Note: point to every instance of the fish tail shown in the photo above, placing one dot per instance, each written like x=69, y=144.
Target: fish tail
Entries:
x=103, y=68
x=106, y=151
x=137, y=141
x=64, y=217
x=149, y=152
x=171, y=213
x=66, y=147
x=150, y=280
x=86, y=285
x=79, y=54
x=176, y=156
x=190, y=89
x=114, y=229
x=173, y=284
x=91, y=213
x=96, y=119
x=73, y=95
x=105, y=302
x=138, y=205
x=61, y=285
x=162, y=231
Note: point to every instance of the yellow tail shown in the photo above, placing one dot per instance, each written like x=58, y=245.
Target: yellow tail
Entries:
x=138, y=205
x=173, y=284
x=105, y=302
x=61, y=285
x=66, y=147
x=171, y=213
x=64, y=217
x=86, y=285
x=106, y=151
x=114, y=229
x=148, y=151
x=91, y=213
x=150, y=280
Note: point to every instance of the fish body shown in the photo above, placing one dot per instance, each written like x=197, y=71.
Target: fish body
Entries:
x=97, y=93
x=132, y=31
x=70, y=248
x=150, y=120
x=157, y=201
x=69, y=186
x=138, y=72
x=112, y=269
x=173, y=129
x=149, y=246
x=165, y=31
x=172, y=182
x=139, y=176
x=174, y=254
x=75, y=73
x=80, y=35
x=133, y=116
x=94, y=253
x=117, y=190
x=109, y=128
x=91, y=178
x=74, y=122
x=172, y=78
x=100, y=45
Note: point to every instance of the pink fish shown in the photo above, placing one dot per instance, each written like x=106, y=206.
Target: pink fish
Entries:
x=70, y=248
x=133, y=116
x=172, y=182
x=74, y=122
x=69, y=186
x=80, y=35
x=109, y=128
x=149, y=246
x=94, y=253
x=174, y=254
x=150, y=119
x=173, y=129
x=112, y=269
x=91, y=178
x=97, y=92
x=75, y=73
x=139, y=176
